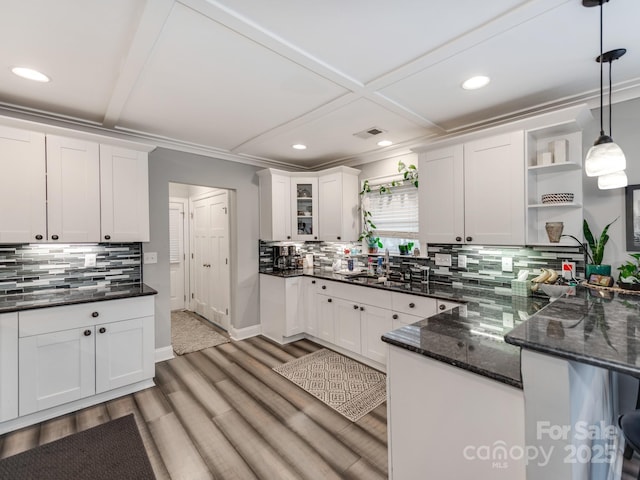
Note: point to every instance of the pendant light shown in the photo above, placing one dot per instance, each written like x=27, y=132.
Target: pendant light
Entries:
x=605, y=157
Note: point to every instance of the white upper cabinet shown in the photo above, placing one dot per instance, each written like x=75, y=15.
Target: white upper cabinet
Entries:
x=338, y=193
x=124, y=192
x=23, y=207
x=73, y=190
x=275, y=205
x=317, y=206
x=304, y=208
x=474, y=192
x=60, y=189
x=441, y=195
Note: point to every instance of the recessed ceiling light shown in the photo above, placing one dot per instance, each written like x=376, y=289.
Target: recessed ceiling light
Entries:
x=385, y=143
x=30, y=74
x=476, y=82
x=299, y=146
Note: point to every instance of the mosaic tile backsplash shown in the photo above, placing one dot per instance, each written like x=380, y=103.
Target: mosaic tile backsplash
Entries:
x=40, y=267
x=483, y=263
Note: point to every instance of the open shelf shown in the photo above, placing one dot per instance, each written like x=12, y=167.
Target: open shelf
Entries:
x=556, y=205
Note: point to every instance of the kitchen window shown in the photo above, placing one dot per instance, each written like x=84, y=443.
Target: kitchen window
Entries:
x=394, y=214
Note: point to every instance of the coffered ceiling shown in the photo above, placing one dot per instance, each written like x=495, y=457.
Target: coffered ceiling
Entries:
x=247, y=79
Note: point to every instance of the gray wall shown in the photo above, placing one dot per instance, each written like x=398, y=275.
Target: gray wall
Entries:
x=172, y=166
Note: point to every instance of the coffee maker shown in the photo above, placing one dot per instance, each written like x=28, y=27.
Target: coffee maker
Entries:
x=285, y=257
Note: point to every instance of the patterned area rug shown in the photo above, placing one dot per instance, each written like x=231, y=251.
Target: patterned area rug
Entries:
x=190, y=333
x=347, y=386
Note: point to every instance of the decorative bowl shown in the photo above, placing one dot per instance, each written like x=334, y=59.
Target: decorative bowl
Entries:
x=556, y=291
x=557, y=198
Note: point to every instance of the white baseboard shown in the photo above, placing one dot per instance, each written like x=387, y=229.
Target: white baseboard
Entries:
x=247, y=332
x=164, y=353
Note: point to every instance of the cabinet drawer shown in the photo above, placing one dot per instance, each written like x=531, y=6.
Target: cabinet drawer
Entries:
x=413, y=304
x=403, y=319
x=355, y=293
x=46, y=320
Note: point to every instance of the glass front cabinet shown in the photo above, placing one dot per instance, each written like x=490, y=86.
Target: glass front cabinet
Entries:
x=304, y=207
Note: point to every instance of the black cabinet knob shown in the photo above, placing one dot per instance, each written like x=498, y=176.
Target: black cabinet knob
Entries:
x=54, y=237
x=458, y=239
x=38, y=237
x=107, y=237
x=87, y=333
x=442, y=307
x=313, y=281
x=102, y=330
x=469, y=239
x=460, y=344
x=324, y=287
x=315, y=238
x=288, y=237
x=471, y=348
x=355, y=307
x=329, y=300
x=94, y=314
x=412, y=305
x=338, y=238
x=395, y=316
x=362, y=309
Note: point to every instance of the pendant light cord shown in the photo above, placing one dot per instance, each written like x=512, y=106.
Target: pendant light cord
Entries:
x=610, y=103
x=601, y=75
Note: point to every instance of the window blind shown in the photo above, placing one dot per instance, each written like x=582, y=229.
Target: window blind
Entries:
x=394, y=214
x=174, y=235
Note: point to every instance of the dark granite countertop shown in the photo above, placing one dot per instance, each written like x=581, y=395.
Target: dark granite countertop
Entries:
x=594, y=327
x=70, y=296
x=471, y=337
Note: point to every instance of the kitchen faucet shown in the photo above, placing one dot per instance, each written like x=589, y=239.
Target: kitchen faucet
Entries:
x=386, y=263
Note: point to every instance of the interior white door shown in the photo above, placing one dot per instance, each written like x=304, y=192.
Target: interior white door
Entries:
x=211, y=257
x=176, y=254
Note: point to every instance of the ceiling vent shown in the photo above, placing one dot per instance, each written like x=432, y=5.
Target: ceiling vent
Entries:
x=369, y=132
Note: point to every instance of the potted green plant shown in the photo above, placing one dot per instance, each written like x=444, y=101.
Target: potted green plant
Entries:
x=368, y=233
x=629, y=277
x=594, y=249
x=405, y=248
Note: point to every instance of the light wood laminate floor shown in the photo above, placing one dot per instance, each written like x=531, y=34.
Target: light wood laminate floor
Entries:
x=223, y=413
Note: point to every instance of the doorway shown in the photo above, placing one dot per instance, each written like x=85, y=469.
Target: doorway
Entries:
x=204, y=267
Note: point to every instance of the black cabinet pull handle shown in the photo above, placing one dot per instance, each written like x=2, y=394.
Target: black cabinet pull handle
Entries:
x=313, y=281
x=412, y=305
x=469, y=239
x=362, y=309
x=38, y=237
x=442, y=307
x=102, y=330
x=107, y=237
x=458, y=239
x=355, y=307
x=94, y=314
x=394, y=316
x=87, y=333
x=329, y=300
x=54, y=237
x=324, y=287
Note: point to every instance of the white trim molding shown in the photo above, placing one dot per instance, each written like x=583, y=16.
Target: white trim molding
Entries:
x=238, y=334
x=164, y=353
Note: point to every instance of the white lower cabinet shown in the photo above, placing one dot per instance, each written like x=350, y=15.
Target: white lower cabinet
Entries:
x=376, y=322
x=347, y=325
x=326, y=317
x=8, y=366
x=310, y=306
x=281, y=308
x=72, y=352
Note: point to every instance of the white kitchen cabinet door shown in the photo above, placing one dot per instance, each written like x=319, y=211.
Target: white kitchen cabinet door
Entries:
x=23, y=202
x=8, y=366
x=56, y=368
x=441, y=195
x=309, y=302
x=326, y=317
x=124, y=195
x=375, y=322
x=275, y=205
x=124, y=353
x=73, y=190
x=294, y=308
x=304, y=208
x=338, y=209
x=494, y=190
x=347, y=325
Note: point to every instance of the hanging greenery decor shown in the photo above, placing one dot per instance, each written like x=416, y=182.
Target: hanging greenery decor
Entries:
x=409, y=175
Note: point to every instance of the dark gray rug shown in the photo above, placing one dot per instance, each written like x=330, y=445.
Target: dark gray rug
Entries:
x=113, y=450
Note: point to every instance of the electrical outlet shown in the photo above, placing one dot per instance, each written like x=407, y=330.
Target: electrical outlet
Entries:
x=568, y=270
x=507, y=264
x=462, y=261
x=150, y=257
x=90, y=260
x=443, y=259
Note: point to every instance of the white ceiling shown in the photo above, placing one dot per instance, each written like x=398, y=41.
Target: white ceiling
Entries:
x=246, y=79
